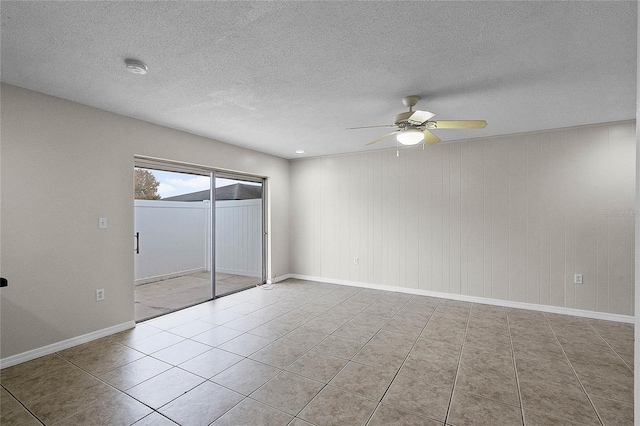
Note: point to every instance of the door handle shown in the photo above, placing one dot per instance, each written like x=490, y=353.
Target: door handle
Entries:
x=137, y=249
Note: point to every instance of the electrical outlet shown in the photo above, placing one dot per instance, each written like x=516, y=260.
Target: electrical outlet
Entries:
x=99, y=294
x=577, y=278
x=356, y=260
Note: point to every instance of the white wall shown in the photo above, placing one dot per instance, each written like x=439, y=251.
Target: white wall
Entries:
x=63, y=166
x=510, y=218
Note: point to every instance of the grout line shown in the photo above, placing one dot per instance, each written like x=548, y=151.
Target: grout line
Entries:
x=405, y=358
x=610, y=347
x=574, y=371
x=515, y=368
x=455, y=381
x=326, y=295
x=23, y=406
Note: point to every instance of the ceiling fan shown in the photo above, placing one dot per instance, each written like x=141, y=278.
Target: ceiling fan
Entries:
x=415, y=127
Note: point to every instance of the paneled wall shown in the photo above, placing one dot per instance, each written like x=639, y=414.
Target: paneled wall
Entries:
x=510, y=218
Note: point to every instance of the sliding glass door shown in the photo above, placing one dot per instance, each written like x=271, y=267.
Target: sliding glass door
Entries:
x=239, y=233
x=173, y=240
x=199, y=234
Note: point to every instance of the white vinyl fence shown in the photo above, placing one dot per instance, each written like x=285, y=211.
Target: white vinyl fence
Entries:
x=174, y=238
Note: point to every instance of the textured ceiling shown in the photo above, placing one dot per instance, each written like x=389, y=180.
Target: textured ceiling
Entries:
x=281, y=76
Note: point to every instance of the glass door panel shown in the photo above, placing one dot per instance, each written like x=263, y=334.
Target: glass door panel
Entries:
x=173, y=253
x=239, y=235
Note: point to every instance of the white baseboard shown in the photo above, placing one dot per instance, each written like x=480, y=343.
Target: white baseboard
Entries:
x=474, y=299
x=280, y=278
x=65, y=344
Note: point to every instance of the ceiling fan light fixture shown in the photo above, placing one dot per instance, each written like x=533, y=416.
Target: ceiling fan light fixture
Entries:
x=410, y=136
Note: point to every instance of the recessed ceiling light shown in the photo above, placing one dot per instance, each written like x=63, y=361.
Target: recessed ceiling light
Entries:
x=135, y=67
x=300, y=151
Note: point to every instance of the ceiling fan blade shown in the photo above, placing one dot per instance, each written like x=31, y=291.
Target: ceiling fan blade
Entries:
x=419, y=117
x=430, y=138
x=457, y=124
x=370, y=127
x=385, y=136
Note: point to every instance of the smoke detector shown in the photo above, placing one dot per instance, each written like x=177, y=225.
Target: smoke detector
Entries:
x=135, y=67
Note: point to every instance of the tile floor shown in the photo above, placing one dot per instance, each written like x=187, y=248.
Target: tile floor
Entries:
x=306, y=353
x=161, y=297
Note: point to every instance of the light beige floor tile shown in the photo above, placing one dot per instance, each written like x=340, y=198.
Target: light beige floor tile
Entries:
x=559, y=401
x=13, y=413
x=245, y=323
x=121, y=410
x=50, y=382
x=155, y=342
x=386, y=415
x=200, y=310
x=326, y=325
x=546, y=372
x=471, y=410
x=217, y=336
x=192, y=328
x=494, y=380
x=537, y=349
x=108, y=359
x=32, y=369
x=140, y=331
x=616, y=388
x=245, y=344
x=165, y=387
x=335, y=407
x=419, y=396
x=300, y=315
x=614, y=413
x=420, y=363
x=317, y=367
x=245, y=376
x=69, y=400
x=364, y=380
x=245, y=308
x=181, y=352
x=166, y=322
x=385, y=350
x=273, y=329
x=221, y=317
x=211, y=363
x=279, y=354
x=88, y=349
x=338, y=347
x=154, y=419
x=134, y=373
x=288, y=392
x=299, y=422
x=201, y=405
x=357, y=331
x=533, y=418
x=251, y=413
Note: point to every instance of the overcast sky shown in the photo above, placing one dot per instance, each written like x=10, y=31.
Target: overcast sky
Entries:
x=181, y=183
